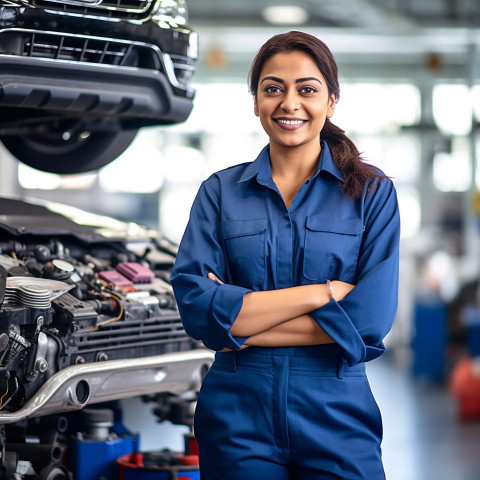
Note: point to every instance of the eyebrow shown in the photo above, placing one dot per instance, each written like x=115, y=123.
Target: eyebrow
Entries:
x=298, y=80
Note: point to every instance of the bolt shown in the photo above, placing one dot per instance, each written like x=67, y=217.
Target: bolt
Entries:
x=41, y=365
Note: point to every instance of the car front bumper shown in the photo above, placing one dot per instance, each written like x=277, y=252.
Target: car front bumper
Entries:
x=76, y=386
x=81, y=81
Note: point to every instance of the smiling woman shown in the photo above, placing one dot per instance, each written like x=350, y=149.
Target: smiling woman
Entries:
x=297, y=102
x=293, y=109
x=288, y=268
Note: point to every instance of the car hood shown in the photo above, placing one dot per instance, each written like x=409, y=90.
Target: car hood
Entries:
x=36, y=217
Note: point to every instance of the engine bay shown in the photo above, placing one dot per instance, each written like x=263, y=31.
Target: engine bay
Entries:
x=87, y=315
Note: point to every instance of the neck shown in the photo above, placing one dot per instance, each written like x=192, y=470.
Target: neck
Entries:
x=299, y=163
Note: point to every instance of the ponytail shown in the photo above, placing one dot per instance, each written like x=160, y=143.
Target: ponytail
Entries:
x=349, y=160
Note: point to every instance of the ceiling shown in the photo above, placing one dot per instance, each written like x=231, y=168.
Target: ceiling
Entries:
x=375, y=14
x=369, y=38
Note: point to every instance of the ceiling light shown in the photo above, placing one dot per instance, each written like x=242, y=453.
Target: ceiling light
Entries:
x=285, y=15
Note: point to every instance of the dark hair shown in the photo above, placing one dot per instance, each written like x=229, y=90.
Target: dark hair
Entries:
x=344, y=152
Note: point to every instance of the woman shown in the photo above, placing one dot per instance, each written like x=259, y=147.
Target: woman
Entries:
x=288, y=269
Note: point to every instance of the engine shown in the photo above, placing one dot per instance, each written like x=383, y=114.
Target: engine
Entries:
x=63, y=305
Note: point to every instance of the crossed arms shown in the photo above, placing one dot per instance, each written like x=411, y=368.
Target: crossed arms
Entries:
x=277, y=318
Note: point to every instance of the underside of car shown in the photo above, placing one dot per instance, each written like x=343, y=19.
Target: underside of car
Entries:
x=78, y=78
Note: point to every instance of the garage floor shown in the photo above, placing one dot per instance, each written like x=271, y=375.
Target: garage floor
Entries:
x=423, y=438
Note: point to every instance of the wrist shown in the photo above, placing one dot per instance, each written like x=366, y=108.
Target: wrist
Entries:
x=323, y=295
x=331, y=293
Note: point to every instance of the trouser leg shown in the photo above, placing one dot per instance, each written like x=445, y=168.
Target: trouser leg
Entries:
x=235, y=428
x=336, y=428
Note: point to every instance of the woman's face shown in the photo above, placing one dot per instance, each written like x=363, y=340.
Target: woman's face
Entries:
x=292, y=99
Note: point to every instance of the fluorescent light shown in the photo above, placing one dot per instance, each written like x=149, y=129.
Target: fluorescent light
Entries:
x=285, y=15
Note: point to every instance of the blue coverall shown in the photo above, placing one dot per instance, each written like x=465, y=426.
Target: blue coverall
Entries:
x=297, y=412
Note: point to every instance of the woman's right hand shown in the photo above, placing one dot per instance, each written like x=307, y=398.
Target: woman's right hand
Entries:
x=341, y=289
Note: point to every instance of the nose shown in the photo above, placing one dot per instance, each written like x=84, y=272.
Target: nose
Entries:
x=290, y=102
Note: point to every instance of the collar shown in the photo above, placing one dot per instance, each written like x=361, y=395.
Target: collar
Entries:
x=262, y=169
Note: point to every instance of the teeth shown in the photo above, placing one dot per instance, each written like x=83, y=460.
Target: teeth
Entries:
x=290, y=122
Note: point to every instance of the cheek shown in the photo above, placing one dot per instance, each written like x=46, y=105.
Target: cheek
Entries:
x=322, y=111
x=264, y=124
x=263, y=112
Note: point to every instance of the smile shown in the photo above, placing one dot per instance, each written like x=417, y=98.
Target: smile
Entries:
x=290, y=122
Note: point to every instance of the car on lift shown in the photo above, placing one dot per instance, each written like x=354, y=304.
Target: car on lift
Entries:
x=87, y=316
x=78, y=78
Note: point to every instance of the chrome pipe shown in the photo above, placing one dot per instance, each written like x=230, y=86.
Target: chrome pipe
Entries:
x=76, y=386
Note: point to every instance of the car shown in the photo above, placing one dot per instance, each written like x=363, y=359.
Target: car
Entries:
x=79, y=78
x=87, y=317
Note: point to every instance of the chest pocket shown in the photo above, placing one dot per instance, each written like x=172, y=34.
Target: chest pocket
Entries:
x=245, y=250
x=331, y=248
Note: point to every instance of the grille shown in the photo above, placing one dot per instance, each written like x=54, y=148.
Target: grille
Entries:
x=122, y=9
x=89, y=50
x=133, y=333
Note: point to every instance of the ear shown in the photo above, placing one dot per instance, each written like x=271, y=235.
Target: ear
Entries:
x=255, y=108
x=331, y=105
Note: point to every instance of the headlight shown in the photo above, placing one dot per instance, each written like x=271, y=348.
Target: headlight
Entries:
x=175, y=10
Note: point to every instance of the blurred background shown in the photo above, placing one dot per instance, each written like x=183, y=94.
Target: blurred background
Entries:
x=410, y=99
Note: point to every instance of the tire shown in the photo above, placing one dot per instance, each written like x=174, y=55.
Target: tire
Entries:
x=51, y=153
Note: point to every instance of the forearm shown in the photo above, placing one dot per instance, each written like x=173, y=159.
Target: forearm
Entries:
x=264, y=310
x=303, y=330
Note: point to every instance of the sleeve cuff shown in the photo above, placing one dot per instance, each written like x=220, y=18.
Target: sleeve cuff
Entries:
x=338, y=326
x=226, y=305
x=374, y=352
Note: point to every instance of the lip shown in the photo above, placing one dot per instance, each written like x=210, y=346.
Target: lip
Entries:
x=290, y=127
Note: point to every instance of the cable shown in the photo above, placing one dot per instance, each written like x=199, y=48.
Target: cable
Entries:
x=3, y=396
x=110, y=320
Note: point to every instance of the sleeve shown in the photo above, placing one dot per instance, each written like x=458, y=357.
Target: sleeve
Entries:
x=207, y=308
x=360, y=321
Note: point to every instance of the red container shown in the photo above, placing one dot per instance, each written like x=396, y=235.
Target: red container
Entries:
x=132, y=467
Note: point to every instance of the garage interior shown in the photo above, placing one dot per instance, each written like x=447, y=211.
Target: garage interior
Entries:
x=410, y=99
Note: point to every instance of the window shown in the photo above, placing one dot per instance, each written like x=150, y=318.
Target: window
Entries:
x=377, y=107
x=452, y=109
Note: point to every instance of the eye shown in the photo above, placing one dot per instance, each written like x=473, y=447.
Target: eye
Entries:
x=272, y=89
x=307, y=89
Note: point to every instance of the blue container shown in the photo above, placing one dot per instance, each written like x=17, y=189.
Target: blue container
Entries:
x=430, y=338
x=470, y=318
x=473, y=339
x=91, y=459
